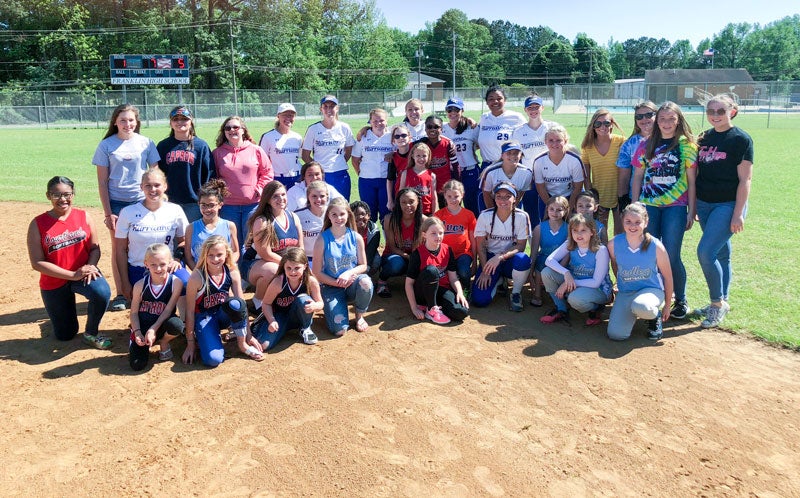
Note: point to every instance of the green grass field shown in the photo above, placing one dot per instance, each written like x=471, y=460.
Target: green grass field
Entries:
x=763, y=293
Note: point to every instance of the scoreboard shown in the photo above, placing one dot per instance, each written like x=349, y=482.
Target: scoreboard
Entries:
x=149, y=69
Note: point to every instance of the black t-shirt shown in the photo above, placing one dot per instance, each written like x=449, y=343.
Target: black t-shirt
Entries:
x=718, y=158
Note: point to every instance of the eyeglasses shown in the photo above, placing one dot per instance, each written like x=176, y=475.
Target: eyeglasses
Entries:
x=400, y=135
x=716, y=112
x=61, y=195
x=232, y=128
x=600, y=124
x=210, y=205
x=452, y=109
x=432, y=127
x=644, y=115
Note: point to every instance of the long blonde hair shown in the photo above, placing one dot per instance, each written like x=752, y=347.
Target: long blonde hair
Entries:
x=202, y=260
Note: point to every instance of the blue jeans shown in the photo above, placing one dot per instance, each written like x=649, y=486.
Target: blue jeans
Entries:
x=116, y=206
x=373, y=192
x=294, y=318
x=464, y=270
x=60, y=306
x=534, y=206
x=714, y=248
x=335, y=301
x=669, y=225
x=207, y=327
x=239, y=216
x=470, y=180
x=483, y=297
x=340, y=180
x=392, y=265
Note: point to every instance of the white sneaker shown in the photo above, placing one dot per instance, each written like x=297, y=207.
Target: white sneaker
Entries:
x=714, y=315
x=308, y=335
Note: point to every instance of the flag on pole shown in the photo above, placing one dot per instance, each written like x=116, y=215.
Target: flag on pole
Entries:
x=709, y=52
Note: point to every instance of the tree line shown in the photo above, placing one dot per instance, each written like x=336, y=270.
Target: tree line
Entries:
x=346, y=44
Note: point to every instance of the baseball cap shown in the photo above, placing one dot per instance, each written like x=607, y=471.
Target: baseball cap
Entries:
x=180, y=111
x=533, y=99
x=505, y=186
x=510, y=146
x=455, y=102
x=286, y=107
x=329, y=98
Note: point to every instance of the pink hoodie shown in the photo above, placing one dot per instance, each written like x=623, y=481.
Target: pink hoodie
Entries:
x=245, y=169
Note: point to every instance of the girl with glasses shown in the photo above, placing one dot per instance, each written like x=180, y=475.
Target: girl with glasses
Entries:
x=644, y=118
x=212, y=196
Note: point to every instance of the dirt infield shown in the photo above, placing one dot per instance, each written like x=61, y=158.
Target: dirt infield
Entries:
x=496, y=406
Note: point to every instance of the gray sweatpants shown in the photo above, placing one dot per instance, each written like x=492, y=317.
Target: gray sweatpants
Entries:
x=628, y=306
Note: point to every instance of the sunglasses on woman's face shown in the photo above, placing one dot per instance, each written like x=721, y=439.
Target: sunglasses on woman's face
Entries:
x=400, y=135
x=232, y=128
x=716, y=112
x=452, y=109
x=601, y=124
x=644, y=115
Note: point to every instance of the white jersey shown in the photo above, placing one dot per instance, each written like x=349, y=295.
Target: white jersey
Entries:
x=418, y=131
x=464, y=143
x=522, y=178
x=531, y=141
x=311, y=225
x=327, y=145
x=501, y=236
x=372, y=150
x=497, y=130
x=558, y=178
x=143, y=227
x=283, y=151
x=296, y=196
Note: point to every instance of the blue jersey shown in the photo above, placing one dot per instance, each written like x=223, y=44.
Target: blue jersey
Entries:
x=582, y=266
x=154, y=301
x=637, y=269
x=286, y=297
x=339, y=256
x=210, y=298
x=200, y=233
x=287, y=237
x=549, y=240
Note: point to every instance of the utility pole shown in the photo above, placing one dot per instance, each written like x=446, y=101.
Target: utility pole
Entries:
x=454, y=63
x=233, y=70
x=418, y=54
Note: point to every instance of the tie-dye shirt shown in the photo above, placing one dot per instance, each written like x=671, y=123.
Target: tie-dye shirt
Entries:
x=665, y=179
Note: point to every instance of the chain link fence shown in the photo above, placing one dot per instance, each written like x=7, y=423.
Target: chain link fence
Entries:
x=73, y=108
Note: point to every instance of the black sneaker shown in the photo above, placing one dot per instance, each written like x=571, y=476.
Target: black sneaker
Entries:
x=654, y=329
x=679, y=310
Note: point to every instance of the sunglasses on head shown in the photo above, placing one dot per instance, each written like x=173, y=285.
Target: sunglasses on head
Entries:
x=232, y=128
x=644, y=115
x=600, y=124
x=716, y=112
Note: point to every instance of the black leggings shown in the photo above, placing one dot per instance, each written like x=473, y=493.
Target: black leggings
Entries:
x=428, y=292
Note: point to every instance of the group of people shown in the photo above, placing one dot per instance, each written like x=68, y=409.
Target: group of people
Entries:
x=276, y=216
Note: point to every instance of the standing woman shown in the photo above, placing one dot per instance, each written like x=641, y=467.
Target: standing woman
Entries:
x=530, y=136
x=496, y=126
x=664, y=181
x=330, y=143
x=246, y=169
x=725, y=170
x=64, y=247
x=282, y=145
x=186, y=160
x=121, y=159
x=465, y=139
x=369, y=161
x=413, y=120
x=644, y=118
x=599, y=153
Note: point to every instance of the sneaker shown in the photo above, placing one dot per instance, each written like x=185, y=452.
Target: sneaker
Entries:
x=383, y=290
x=593, y=318
x=655, y=329
x=553, y=316
x=714, y=315
x=119, y=303
x=502, y=287
x=308, y=335
x=434, y=314
x=701, y=312
x=165, y=355
x=515, y=302
x=98, y=341
x=679, y=310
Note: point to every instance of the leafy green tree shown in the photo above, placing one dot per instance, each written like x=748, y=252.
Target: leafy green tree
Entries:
x=729, y=46
x=773, y=52
x=557, y=61
x=593, y=61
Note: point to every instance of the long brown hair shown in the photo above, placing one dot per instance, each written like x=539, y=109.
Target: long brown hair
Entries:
x=591, y=133
x=245, y=133
x=112, y=125
x=682, y=130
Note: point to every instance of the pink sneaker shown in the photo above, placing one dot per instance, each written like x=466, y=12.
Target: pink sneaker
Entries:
x=435, y=315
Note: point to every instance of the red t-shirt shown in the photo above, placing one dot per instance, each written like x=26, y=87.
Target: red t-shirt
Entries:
x=444, y=161
x=65, y=243
x=407, y=241
x=457, y=228
x=440, y=260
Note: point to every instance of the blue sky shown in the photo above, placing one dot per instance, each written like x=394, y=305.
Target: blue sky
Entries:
x=601, y=20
